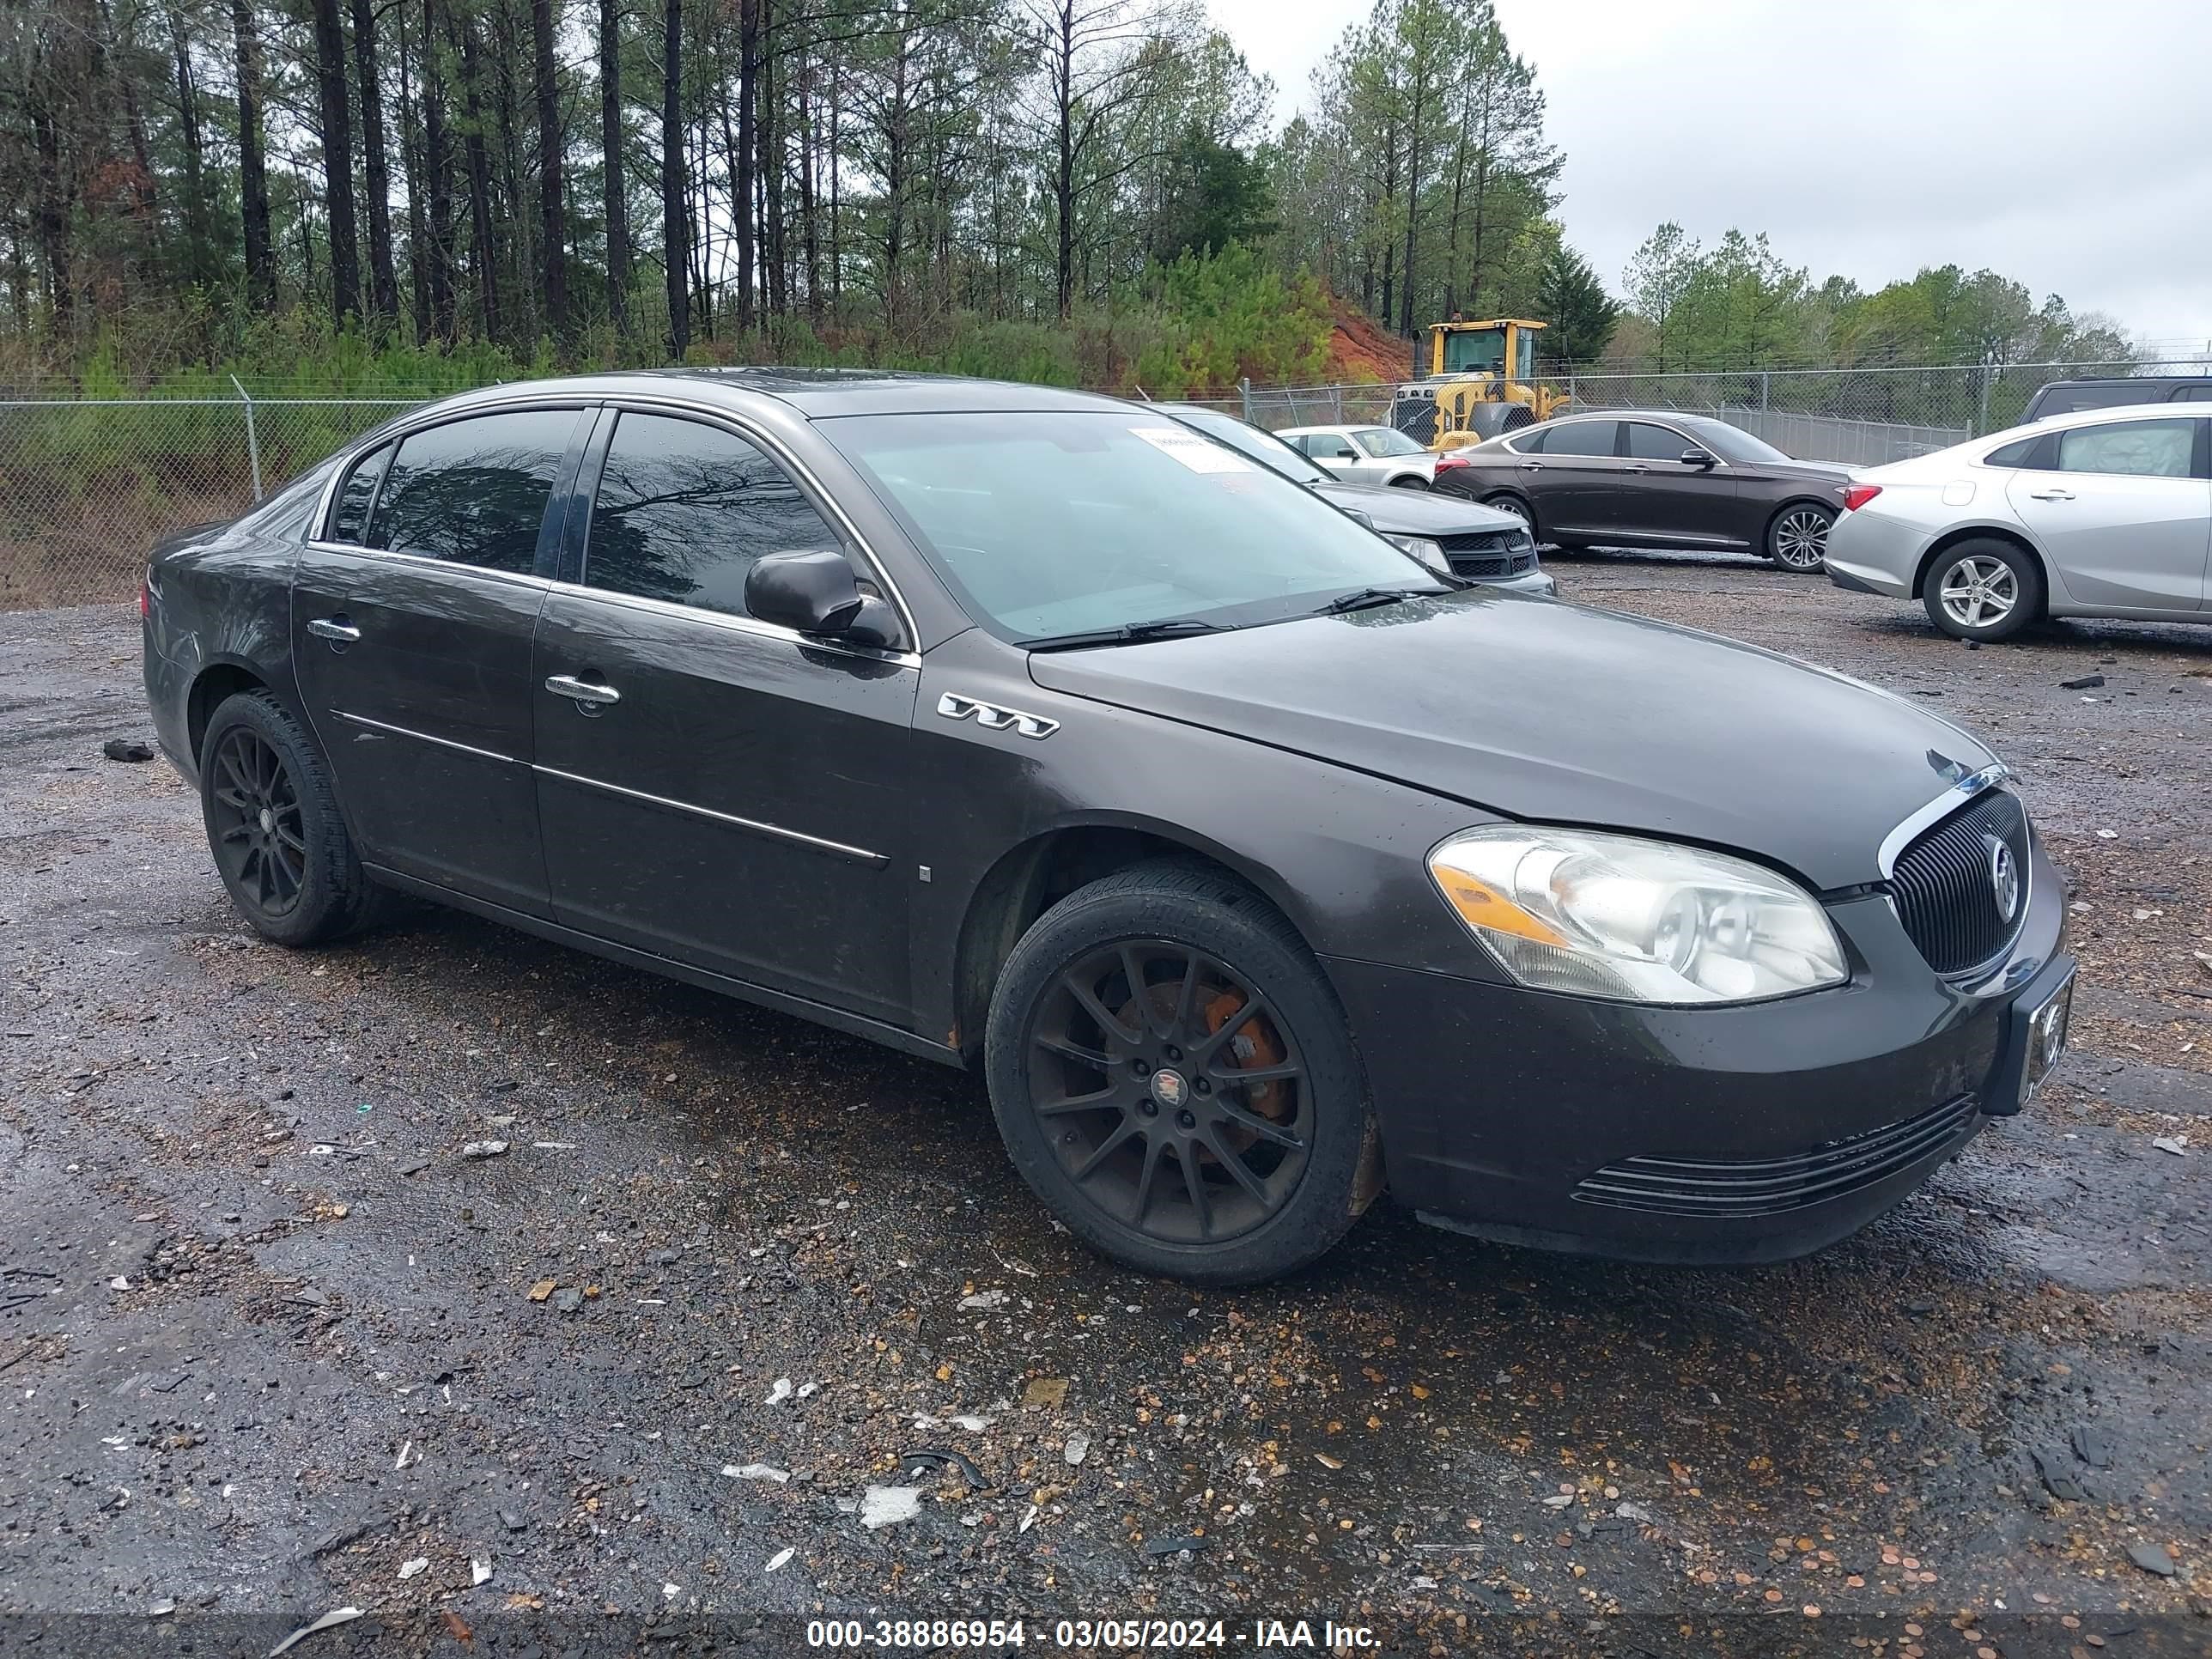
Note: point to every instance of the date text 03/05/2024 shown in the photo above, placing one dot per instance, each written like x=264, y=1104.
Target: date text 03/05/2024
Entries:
x=1259, y=1635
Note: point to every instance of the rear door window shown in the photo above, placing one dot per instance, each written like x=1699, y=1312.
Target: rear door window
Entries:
x=2144, y=449
x=2036, y=454
x=684, y=509
x=1583, y=438
x=358, y=495
x=474, y=491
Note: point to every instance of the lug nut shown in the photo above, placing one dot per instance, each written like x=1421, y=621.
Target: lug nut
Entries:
x=1201, y=1085
x=1172, y=1052
x=1186, y=1120
x=1147, y=1109
x=1140, y=1068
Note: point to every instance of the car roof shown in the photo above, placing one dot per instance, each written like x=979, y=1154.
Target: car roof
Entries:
x=816, y=393
x=2163, y=411
x=2131, y=379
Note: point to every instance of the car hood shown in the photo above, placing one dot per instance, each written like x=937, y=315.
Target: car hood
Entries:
x=1414, y=511
x=1555, y=713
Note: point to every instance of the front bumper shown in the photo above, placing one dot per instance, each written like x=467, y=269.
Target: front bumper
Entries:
x=1539, y=581
x=1748, y=1133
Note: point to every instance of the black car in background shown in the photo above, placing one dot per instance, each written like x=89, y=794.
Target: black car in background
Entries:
x=2072, y=397
x=1254, y=866
x=1654, y=478
x=1475, y=542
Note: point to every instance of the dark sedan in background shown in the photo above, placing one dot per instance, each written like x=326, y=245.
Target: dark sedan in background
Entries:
x=1654, y=478
x=1474, y=543
x=1254, y=865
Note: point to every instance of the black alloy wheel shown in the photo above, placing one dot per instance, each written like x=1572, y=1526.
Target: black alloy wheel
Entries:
x=254, y=822
x=273, y=824
x=1174, y=1076
x=1175, y=1100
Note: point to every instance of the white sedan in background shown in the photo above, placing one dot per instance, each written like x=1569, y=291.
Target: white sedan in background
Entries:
x=2102, y=513
x=1378, y=455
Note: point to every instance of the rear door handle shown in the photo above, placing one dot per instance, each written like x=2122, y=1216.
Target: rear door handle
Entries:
x=334, y=628
x=1532, y=466
x=1637, y=467
x=2050, y=494
x=583, y=693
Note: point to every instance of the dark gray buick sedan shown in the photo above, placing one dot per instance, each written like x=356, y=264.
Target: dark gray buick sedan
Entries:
x=1256, y=866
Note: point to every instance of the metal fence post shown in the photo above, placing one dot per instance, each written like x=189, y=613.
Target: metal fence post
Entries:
x=1982, y=414
x=253, y=438
x=1765, y=387
x=1244, y=392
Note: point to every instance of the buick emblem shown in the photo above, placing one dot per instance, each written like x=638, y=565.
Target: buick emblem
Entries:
x=2005, y=878
x=1168, y=1087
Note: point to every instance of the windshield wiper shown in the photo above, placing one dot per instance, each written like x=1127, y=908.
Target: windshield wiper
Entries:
x=1128, y=634
x=1367, y=597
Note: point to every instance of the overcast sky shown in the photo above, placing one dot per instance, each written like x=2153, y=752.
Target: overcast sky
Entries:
x=2068, y=145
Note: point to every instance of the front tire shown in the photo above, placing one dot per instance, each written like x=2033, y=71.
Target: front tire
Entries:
x=1409, y=481
x=273, y=824
x=1172, y=1076
x=1797, y=538
x=1983, y=589
x=1506, y=502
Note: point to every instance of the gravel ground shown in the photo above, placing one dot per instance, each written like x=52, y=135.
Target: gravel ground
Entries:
x=273, y=1342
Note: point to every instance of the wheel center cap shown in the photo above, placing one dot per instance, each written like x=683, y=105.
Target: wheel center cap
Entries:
x=1168, y=1087
x=268, y=820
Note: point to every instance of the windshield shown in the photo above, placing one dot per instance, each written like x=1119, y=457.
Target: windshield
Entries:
x=1264, y=447
x=1060, y=523
x=1386, y=440
x=1730, y=443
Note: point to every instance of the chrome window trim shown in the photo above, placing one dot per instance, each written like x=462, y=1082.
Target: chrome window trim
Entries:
x=734, y=623
x=424, y=736
x=774, y=831
x=776, y=450
x=422, y=560
x=1935, y=812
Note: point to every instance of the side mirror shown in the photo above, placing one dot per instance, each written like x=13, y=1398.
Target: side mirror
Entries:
x=817, y=593
x=1699, y=458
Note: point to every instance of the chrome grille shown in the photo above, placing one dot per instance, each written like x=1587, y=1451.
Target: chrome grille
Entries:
x=1718, y=1188
x=1944, y=892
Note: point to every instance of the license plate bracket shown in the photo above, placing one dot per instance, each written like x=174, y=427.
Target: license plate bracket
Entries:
x=2034, y=1042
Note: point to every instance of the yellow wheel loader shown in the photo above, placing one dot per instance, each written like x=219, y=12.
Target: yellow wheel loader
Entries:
x=1479, y=380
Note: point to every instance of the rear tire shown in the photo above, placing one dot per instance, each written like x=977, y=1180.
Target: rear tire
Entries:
x=1983, y=589
x=1409, y=481
x=1797, y=538
x=1144, y=996
x=273, y=825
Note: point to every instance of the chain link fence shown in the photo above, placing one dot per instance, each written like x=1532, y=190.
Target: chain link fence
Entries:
x=87, y=486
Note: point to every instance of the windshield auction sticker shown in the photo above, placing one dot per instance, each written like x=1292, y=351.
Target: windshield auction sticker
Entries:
x=1199, y=454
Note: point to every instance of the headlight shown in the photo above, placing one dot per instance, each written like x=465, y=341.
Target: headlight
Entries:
x=1430, y=553
x=1635, y=920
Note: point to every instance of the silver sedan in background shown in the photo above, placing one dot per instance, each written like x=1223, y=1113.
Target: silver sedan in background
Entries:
x=2103, y=514
x=1381, y=456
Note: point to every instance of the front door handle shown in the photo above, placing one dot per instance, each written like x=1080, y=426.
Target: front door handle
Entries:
x=586, y=696
x=336, y=630
x=1637, y=467
x=1532, y=466
x=2050, y=494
